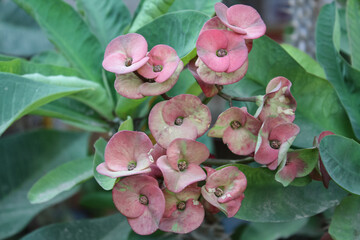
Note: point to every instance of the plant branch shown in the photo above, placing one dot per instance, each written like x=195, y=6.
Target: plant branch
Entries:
x=219, y=162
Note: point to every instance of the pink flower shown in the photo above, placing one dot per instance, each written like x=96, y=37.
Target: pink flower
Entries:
x=221, y=50
x=125, y=54
x=274, y=140
x=183, y=116
x=126, y=153
x=278, y=101
x=238, y=129
x=163, y=61
x=183, y=212
x=241, y=19
x=181, y=165
x=140, y=199
x=224, y=189
x=134, y=86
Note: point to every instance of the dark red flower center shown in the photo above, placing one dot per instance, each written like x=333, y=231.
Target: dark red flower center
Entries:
x=235, y=124
x=131, y=166
x=157, y=68
x=219, y=192
x=143, y=200
x=275, y=144
x=182, y=165
x=179, y=121
x=221, y=52
x=181, y=206
x=128, y=62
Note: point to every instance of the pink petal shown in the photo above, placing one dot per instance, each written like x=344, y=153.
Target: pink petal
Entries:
x=240, y=141
x=277, y=83
x=284, y=131
x=209, y=90
x=292, y=169
x=104, y=170
x=264, y=154
x=126, y=146
x=221, y=11
x=127, y=85
x=184, y=221
x=185, y=149
x=157, y=152
x=237, y=51
x=213, y=23
x=116, y=63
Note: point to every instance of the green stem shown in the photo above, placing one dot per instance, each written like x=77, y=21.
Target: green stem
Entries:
x=231, y=98
x=220, y=162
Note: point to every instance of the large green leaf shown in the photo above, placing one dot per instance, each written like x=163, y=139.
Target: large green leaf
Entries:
x=128, y=107
x=341, y=158
x=353, y=27
x=20, y=34
x=21, y=67
x=268, y=201
x=179, y=30
x=24, y=159
x=345, y=224
x=105, y=182
x=107, y=19
x=112, y=227
x=96, y=97
x=148, y=11
x=346, y=85
x=60, y=179
x=70, y=35
x=19, y=96
x=205, y=6
x=52, y=58
x=74, y=113
x=318, y=107
x=185, y=84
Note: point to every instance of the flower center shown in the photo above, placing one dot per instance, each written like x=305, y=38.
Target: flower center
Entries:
x=131, y=166
x=235, y=124
x=221, y=52
x=219, y=192
x=178, y=121
x=157, y=68
x=275, y=144
x=143, y=200
x=181, y=206
x=182, y=165
x=128, y=62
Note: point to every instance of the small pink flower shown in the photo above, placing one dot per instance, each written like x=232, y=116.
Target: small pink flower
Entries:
x=125, y=54
x=181, y=165
x=222, y=51
x=241, y=19
x=183, y=116
x=224, y=189
x=238, y=129
x=274, y=140
x=133, y=86
x=278, y=101
x=183, y=212
x=141, y=200
x=126, y=153
x=163, y=61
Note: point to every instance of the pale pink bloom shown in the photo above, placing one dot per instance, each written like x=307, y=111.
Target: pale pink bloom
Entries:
x=242, y=19
x=125, y=54
x=140, y=199
x=209, y=90
x=183, y=116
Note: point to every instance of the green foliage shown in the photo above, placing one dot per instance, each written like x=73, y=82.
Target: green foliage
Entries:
x=127, y=107
x=127, y=125
x=353, y=26
x=107, y=19
x=341, y=75
x=341, y=156
x=318, y=107
x=19, y=96
x=345, y=224
x=60, y=179
x=25, y=158
x=185, y=84
x=204, y=6
x=105, y=182
x=52, y=58
x=268, y=201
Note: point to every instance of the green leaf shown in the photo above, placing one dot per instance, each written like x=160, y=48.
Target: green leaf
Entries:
x=60, y=179
x=105, y=182
x=272, y=231
x=266, y=200
x=52, y=58
x=204, y=6
x=128, y=107
x=305, y=61
x=70, y=35
x=21, y=67
x=149, y=10
x=185, y=84
x=19, y=96
x=6, y=58
x=95, y=97
x=345, y=224
x=318, y=107
x=353, y=26
x=112, y=227
x=346, y=85
x=179, y=30
x=341, y=156
x=74, y=113
x=107, y=19
x=24, y=159
x=20, y=34
x=127, y=125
